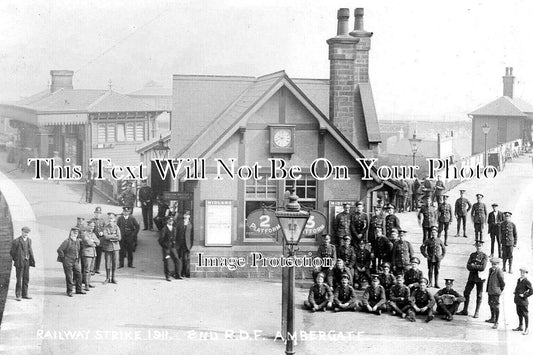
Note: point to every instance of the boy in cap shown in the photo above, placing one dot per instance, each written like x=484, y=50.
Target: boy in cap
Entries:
x=422, y=302
x=414, y=274
x=320, y=295
x=448, y=300
x=445, y=217
x=344, y=296
x=462, y=207
x=22, y=255
x=399, y=297
x=402, y=252
x=495, y=220
x=374, y=299
x=509, y=239
x=479, y=217
x=341, y=224
x=495, y=286
x=433, y=250
x=521, y=292
x=477, y=262
x=359, y=224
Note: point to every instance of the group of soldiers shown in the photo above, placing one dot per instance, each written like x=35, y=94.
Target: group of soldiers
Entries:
x=408, y=197
x=372, y=254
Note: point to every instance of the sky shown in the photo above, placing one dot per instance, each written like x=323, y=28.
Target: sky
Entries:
x=429, y=59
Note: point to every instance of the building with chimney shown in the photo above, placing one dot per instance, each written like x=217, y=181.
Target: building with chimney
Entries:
x=80, y=124
x=508, y=118
x=254, y=119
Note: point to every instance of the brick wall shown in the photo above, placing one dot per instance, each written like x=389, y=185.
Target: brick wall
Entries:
x=6, y=237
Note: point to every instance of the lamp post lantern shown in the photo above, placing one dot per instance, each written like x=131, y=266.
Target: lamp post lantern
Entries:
x=292, y=221
x=415, y=143
x=161, y=151
x=486, y=129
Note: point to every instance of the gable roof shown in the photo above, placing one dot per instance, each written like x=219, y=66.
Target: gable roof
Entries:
x=237, y=113
x=504, y=106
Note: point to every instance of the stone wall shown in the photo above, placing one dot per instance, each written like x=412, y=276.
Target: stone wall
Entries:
x=6, y=237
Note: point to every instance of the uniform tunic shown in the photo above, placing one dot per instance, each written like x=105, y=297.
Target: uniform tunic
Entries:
x=413, y=276
x=374, y=296
x=433, y=249
x=476, y=263
x=462, y=206
x=328, y=251
x=358, y=225
x=319, y=294
x=422, y=299
x=445, y=213
x=347, y=254
x=383, y=249
x=344, y=294
x=377, y=220
x=111, y=238
x=402, y=252
x=508, y=239
x=400, y=295
x=479, y=213
x=391, y=221
x=342, y=225
x=429, y=214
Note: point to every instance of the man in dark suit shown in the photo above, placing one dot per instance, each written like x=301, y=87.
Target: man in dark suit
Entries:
x=495, y=286
x=147, y=205
x=129, y=228
x=185, y=240
x=167, y=240
x=22, y=255
x=69, y=254
x=495, y=219
x=90, y=180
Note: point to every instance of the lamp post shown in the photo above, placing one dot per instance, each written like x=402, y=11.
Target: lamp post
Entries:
x=161, y=151
x=486, y=129
x=414, y=142
x=292, y=221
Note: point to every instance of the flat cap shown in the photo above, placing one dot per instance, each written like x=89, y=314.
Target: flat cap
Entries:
x=507, y=213
x=524, y=269
x=26, y=229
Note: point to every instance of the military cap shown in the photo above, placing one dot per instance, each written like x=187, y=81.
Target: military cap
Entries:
x=394, y=230
x=98, y=209
x=320, y=274
x=524, y=269
x=495, y=260
x=402, y=231
x=126, y=209
x=187, y=213
x=462, y=190
x=374, y=277
x=111, y=214
x=449, y=281
x=81, y=219
x=434, y=228
x=378, y=207
x=399, y=276
x=74, y=229
x=445, y=196
x=494, y=205
x=384, y=265
x=345, y=204
x=26, y=229
x=479, y=195
x=390, y=206
x=344, y=276
x=347, y=236
x=507, y=213
x=424, y=280
x=478, y=242
x=415, y=260
x=359, y=203
x=378, y=227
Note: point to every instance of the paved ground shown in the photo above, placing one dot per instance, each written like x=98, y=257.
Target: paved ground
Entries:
x=145, y=314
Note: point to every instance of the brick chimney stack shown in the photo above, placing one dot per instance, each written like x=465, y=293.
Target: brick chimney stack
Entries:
x=342, y=81
x=61, y=79
x=508, y=82
x=362, y=48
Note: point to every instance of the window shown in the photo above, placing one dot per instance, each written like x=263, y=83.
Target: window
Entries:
x=305, y=189
x=101, y=133
x=259, y=194
x=130, y=131
x=139, y=131
x=110, y=133
x=121, y=132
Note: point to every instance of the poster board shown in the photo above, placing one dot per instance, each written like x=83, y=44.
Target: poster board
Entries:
x=218, y=218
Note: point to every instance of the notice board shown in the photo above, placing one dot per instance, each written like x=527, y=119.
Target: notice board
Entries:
x=218, y=218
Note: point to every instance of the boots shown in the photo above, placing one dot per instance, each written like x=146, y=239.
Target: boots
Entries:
x=476, y=314
x=510, y=266
x=491, y=319
x=113, y=281
x=464, y=312
x=504, y=262
x=107, y=272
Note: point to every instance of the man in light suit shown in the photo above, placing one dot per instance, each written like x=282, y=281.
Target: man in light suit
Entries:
x=22, y=255
x=185, y=239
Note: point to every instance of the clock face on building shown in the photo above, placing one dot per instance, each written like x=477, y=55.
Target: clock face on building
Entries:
x=283, y=138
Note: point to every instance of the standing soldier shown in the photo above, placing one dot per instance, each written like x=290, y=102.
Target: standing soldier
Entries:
x=522, y=291
x=391, y=221
x=477, y=262
x=347, y=253
x=90, y=180
x=376, y=221
x=327, y=250
x=111, y=247
x=127, y=197
x=495, y=220
x=439, y=190
x=462, y=207
x=147, y=205
x=402, y=195
x=129, y=228
x=448, y=300
x=445, y=217
x=22, y=255
x=495, y=286
x=416, y=194
x=402, y=252
x=89, y=241
x=434, y=251
x=361, y=271
x=509, y=240
x=427, y=218
x=383, y=247
x=167, y=241
x=99, y=224
x=359, y=224
x=427, y=188
x=341, y=224
x=479, y=217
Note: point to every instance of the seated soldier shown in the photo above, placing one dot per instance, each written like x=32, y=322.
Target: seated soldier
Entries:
x=361, y=272
x=413, y=275
x=422, y=302
x=344, y=296
x=448, y=300
x=320, y=295
x=383, y=246
x=327, y=250
x=386, y=278
x=346, y=252
x=374, y=299
x=399, y=297
x=335, y=276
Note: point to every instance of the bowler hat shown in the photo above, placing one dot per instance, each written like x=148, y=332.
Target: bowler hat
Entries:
x=495, y=260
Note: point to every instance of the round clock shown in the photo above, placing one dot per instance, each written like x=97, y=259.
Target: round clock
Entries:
x=283, y=138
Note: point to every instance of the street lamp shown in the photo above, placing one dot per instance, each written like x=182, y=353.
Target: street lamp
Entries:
x=486, y=129
x=161, y=151
x=414, y=146
x=292, y=221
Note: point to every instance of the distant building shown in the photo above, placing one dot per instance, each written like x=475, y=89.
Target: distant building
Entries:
x=155, y=95
x=509, y=118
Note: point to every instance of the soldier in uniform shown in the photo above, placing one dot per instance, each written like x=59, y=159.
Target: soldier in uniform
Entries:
x=439, y=190
x=391, y=221
x=344, y=296
x=477, y=262
x=347, y=253
x=522, y=291
x=99, y=224
x=448, y=300
x=399, y=297
x=402, y=252
x=129, y=228
x=495, y=220
x=359, y=224
x=386, y=279
x=445, y=217
x=416, y=194
x=433, y=250
x=382, y=250
x=427, y=218
x=146, y=197
x=413, y=276
x=89, y=241
x=320, y=295
x=376, y=221
x=127, y=197
x=462, y=207
x=509, y=240
x=374, y=299
x=402, y=195
x=361, y=271
x=422, y=302
x=479, y=217
x=495, y=286
x=327, y=250
x=341, y=224
x=111, y=246
x=335, y=276
x=427, y=188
